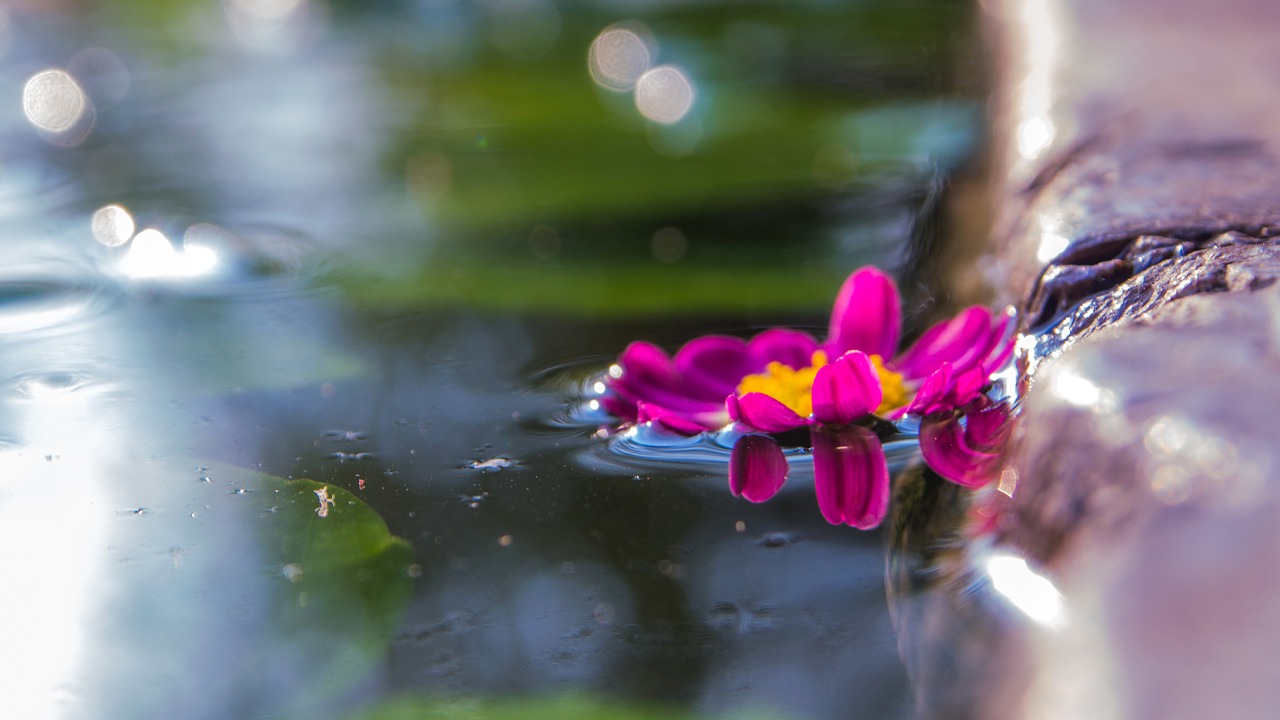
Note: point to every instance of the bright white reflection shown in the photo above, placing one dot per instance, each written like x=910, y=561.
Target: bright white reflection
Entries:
x=52, y=577
x=1027, y=590
x=619, y=55
x=1034, y=136
x=1035, y=95
x=664, y=94
x=53, y=101
x=1081, y=392
x=151, y=255
x=112, y=225
x=1051, y=246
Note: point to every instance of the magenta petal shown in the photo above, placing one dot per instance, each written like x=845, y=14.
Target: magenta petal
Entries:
x=1003, y=341
x=866, y=315
x=930, y=396
x=793, y=348
x=966, y=386
x=644, y=363
x=764, y=413
x=713, y=365
x=757, y=468
x=961, y=341
x=945, y=449
x=684, y=423
x=846, y=390
x=850, y=476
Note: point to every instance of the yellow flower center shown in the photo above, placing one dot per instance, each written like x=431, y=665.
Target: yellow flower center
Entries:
x=895, y=390
x=791, y=387
x=794, y=388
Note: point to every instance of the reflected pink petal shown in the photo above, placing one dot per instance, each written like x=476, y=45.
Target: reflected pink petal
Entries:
x=764, y=413
x=846, y=390
x=623, y=408
x=713, y=365
x=757, y=468
x=945, y=449
x=866, y=316
x=961, y=341
x=793, y=348
x=988, y=427
x=850, y=476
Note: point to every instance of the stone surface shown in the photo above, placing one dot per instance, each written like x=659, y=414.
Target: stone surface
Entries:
x=1138, y=208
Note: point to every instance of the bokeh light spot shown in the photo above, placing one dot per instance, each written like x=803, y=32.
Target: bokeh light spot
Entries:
x=53, y=101
x=664, y=94
x=112, y=225
x=619, y=55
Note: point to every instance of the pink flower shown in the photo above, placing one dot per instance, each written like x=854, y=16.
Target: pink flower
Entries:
x=781, y=380
x=711, y=379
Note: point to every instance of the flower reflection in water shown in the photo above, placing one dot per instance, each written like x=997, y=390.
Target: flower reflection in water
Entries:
x=848, y=390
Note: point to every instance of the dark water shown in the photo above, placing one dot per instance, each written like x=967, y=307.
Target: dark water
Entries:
x=382, y=247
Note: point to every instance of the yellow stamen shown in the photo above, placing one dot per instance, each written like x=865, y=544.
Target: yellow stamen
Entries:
x=794, y=388
x=891, y=384
x=791, y=387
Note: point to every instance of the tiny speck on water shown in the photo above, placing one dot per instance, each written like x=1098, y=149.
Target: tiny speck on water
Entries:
x=51, y=458
x=740, y=527
x=505, y=541
x=414, y=571
x=239, y=491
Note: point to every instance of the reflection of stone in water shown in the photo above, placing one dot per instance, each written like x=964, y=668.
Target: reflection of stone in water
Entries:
x=486, y=630
x=801, y=628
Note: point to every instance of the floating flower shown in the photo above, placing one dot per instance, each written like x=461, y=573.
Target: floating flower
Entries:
x=781, y=380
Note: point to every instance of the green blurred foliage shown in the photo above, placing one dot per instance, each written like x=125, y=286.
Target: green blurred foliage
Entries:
x=570, y=706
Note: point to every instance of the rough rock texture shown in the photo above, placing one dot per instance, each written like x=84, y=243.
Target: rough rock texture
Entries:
x=1139, y=215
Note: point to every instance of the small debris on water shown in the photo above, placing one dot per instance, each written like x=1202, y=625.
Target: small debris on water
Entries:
x=293, y=572
x=777, y=539
x=497, y=463
x=344, y=435
x=473, y=501
x=344, y=456
x=326, y=501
